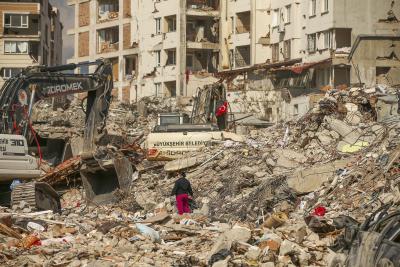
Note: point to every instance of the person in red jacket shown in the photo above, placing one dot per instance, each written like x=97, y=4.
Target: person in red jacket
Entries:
x=221, y=113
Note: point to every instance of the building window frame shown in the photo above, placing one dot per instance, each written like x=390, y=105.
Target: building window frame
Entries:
x=287, y=48
x=325, y=6
x=158, y=89
x=275, y=52
x=8, y=47
x=24, y=20
x=288, y=14
x=171, y=57
x=313, y=8
x=327, y=36
x=9, y=72
x=312, y=43
x=171, y=24
x=158, y=58
x=275, y=18
x=158, y=25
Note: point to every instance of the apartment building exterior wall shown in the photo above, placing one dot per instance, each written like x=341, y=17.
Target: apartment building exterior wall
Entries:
x=30, y=34
x=161, y=36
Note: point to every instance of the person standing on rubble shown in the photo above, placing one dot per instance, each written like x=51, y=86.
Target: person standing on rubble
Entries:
x=221, y=113
x=183, y=193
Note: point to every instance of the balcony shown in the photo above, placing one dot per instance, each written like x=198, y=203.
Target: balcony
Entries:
x=107, y=10
x=108, y=40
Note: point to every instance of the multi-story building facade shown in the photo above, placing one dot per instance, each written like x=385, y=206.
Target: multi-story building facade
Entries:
x=324, y=32
x=172, y=47
x=31, y=34
x=158, y=48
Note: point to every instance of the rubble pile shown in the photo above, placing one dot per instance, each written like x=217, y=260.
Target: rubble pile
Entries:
x=281, y=198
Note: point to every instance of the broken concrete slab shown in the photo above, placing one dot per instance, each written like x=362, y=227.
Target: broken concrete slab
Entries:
x=310, y=179
x=182, y=164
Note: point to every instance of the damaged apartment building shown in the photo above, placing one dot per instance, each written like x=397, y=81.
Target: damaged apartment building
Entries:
x=311, y=46
x=31, y=34
x=160, y=48
x=170, y=48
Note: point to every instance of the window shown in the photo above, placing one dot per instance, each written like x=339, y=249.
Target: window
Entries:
x=158, y=25
x=10, y=72
x=189, y=61
x=158, y=89
x=172, y=25
x=171, y=60
x=288, y=10
x=16, y=47
x=313, y=7
x=325, y=6
x=232, y=24
x=286, y=49
x=275, y=18
x=15, y=21
x=108, y=7
x=275, y=52
x=327, y=40
x=130, y=67
x=158, y=58
x=312, y=43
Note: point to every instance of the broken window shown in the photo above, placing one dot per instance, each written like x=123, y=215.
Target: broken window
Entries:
x=16, y=21
x=313, y=8
x=16, y=47
x=158, y=58
x=108, y=9
x=312, y=43
x=171, y=60
x=286, y=49
x=130, y=67
x=108, y=40
x=170, y=89
x=243, y=22
x=242, y=57
x=10, y=72
x=158, y=25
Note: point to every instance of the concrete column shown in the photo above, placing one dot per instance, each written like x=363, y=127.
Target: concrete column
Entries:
x=181, y=60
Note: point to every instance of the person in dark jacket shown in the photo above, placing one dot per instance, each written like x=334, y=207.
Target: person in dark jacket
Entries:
x=183, y=192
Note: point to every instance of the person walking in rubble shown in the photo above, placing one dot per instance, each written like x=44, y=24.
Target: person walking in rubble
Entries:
x=221, y=113
x=183, y=192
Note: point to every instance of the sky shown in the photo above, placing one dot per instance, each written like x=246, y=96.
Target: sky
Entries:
x=67, y=19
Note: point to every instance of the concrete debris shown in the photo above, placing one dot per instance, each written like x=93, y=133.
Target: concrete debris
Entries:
x=259, y=199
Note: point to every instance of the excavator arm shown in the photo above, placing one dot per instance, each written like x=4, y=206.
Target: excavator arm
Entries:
x=19, y=94
x=17, y=98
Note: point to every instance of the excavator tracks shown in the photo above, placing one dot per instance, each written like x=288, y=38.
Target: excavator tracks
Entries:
x=38, y=195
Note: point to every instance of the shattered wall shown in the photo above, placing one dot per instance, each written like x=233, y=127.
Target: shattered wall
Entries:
x=377, y=61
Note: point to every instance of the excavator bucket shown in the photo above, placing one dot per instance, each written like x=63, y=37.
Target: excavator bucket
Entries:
x=38, y=195
x=102, y=178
